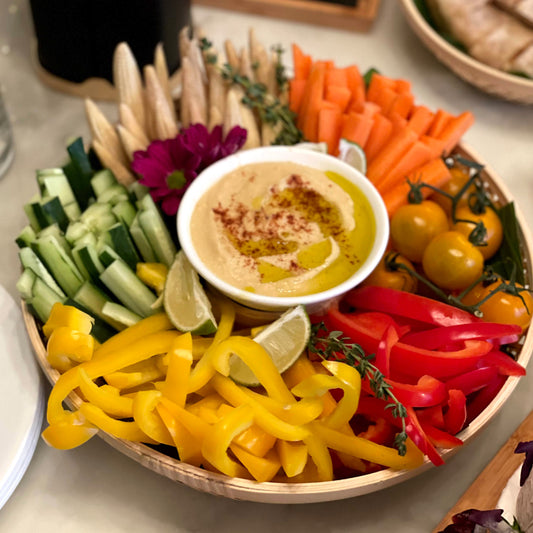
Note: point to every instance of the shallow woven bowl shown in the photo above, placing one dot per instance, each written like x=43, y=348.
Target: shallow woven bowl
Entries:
x=241, y=489
x=488, y=79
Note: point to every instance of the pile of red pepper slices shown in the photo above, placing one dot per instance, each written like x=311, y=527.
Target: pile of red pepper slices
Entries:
x=444, y=364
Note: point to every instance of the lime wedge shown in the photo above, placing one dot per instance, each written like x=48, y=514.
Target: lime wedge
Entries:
x=353, y=154
x=284, y=340
x=185, y=301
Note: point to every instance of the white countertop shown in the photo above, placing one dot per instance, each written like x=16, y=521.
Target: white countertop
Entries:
x=95, y=488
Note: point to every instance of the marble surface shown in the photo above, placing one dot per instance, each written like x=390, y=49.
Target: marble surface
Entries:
x=95, y=488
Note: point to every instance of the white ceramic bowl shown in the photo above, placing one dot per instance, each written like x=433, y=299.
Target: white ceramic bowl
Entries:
x=320, y=161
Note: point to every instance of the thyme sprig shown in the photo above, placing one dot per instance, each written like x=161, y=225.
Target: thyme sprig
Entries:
x=334, y=346
x=268, y=107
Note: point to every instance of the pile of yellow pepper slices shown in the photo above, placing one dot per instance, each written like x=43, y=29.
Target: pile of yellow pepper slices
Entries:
x=153, y=384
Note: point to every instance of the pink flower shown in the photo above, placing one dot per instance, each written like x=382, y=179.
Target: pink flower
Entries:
x=169, y=167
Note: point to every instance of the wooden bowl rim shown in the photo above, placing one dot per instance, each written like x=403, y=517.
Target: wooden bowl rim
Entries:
x=272, y=492
x=414, y=15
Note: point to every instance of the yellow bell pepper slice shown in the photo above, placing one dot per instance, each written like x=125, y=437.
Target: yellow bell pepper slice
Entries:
x=194, y=424
x=368, y=450
x=293, y=457
x=69, y=433
x=189, y=448
x=106, y=397
x=319, y=453
x=346, y=378
x=212, y=401
x=208, y=415
x=67, y=347
x=263, y=469
x=145, y=414
x=144, y=348
x=254, y=440
x=153, y=274
x=147, y=326
x=200, y=345
x=117, y=428
x=179, y=369
x=236, y=396
x=218, y=439
x=258, y=360
x=135, y=375
x=204, y=369
x=298, y=413
x=68, y=316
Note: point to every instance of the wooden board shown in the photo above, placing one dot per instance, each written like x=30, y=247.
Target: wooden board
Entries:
x=485, y=492
x=358, y=18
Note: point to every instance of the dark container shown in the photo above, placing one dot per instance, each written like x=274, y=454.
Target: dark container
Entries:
x=76, y=38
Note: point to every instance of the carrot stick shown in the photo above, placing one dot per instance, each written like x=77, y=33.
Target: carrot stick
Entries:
x=440, y=121
x=301, y=62
x=435, y=173
x=416, y=156
x=402, y=104
x=435, y=145
x=385, y=98
x=391, y=153
x=370, y=109
x=356, y=128
x=398, y=122
x=379, y=135
x=455, y=129
x=338, y=95
x=312, y=99
x=338, y=77
x=296, y=93
x=378, y=83
x=421, y=119
x=329, y=128
x=402, y=86
x=356, y=84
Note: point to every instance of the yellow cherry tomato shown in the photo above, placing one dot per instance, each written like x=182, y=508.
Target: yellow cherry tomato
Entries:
x=451, y=261
x=502, y=306
x=383, y=276
x=491, y=222
x=453, y=187
x=414, y=225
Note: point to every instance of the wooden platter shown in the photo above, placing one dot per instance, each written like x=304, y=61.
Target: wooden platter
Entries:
x=241, y=489
x=356, y=18
x=485, y=78
x=485, y=492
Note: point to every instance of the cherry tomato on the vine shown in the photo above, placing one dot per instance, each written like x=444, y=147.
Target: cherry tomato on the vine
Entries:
x=503, y=306
x=451, y=261
x=383, y=276
x=491, y=222
x=453, y=186
x=414, y=225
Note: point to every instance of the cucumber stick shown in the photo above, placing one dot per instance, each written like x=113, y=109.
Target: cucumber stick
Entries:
x=120, y=314
x=42, y=300
x=102, y=180
x=128, y=288
x=118, y=237
x=30, y=261
x=159, y=237
x=141, y=241
x=93, y=299
x=101, y=330
x=25, y=283
x=25, y=237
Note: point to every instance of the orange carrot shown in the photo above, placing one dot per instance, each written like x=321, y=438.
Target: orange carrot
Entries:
x=421, y=119
x=435, y=145
x=356, y=84
x=391, y=153
x=378, y=83
x=338, y=95
x=385, y=98
x=370, y=109
x=329, y=128
x=337, y=76
x=398, y=122
x=416, y=156
x=453, y=131
x=435, y=173
x=302, y=63
x=402, y=104
x=440, y=121
x=402, y=86
x=296, y=93
x=312, y=100
x=379, y=135
x=356, y=128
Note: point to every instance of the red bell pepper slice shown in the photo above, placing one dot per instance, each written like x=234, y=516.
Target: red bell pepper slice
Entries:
x=484, y=397
x=389, y=339
x=455, y=416
x=432, y=416
x=440, y=438
x=505, y=364
x=408, y=305
x=434, y=338
x=375, y=408
x=417, y=434
x=379, y=431
x=426, y=393
x=473, y=381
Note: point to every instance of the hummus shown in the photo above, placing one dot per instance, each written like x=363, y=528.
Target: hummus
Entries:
x=283, y=229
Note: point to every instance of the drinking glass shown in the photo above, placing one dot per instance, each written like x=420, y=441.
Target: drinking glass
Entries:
x=6, y=139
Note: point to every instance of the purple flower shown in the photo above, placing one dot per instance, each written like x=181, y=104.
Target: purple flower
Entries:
x=527, y=465
x=467, y=521
x=168, y=167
